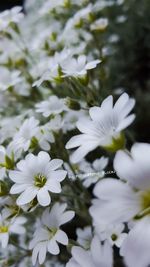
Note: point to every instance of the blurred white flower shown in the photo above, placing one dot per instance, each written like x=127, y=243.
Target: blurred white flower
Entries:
x=53, y=106
x=8, y=226
x=100, y=5
x=36, y=176
x=139, y=239
x=9, y=126
x=103, y=128
x=48, y=75
x=55, y=124
x=121, y=19
x=130, y=199
x=99, y=24
x=50, y=5
x=52, y=70
x=84, y=236
x=98, y=256
x=45, y=137
x=92, y=172
x=49, y=234
x=9, y=78
x=78, y=67
x=80, y=16
x=9, y=16
x=22, y=88
x=113, y=233
x=22, y=139
x=70, y=119
x=6, y=161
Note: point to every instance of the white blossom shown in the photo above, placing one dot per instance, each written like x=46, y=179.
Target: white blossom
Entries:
x=129, y=198
x=78, y=67
x=8, y=16
x=53, y=105
x=8, y=226
x=49, y=234
x=84, y=237
x=113, y=233
x=98, y=256
x=104, y=126
x=99, y=24
x=92, y=172
x=36, y=176
x=50, y=5
x=6, y=161
x=9, y=79
x=28, y=130
x=45, y=137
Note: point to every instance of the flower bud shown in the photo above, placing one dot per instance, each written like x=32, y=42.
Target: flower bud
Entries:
x=72, y=103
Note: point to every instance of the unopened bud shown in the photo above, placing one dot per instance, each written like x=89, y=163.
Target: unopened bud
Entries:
x=72, y=103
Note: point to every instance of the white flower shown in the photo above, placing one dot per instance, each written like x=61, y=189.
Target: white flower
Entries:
x=8, y=16
x=84, y=237
x=112, y=233
x=49, y=234
x=22, y=88
x=98, y=256
x=136, y=246
x=9, y=78
x=128, y=199
x=68, y=35
x=52, y=72
x=49, y=75
x=82, y=14
x=36, y=176
x=70, y=119
x=78, y=67
x=28, y=130
x=103, y=128
x=50, y=5
x=99, y=24
x=53, y=105
x=55, y=123
x=92, y=172
x=45, y=137
x=121, y=19
x=8, y=127
x=8, y=226
x=6, y=161
x=100, y=5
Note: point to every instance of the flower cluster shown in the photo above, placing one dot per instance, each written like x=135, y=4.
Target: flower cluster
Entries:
x=74, y=187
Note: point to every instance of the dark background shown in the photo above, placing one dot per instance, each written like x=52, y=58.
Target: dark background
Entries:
x=6, y=4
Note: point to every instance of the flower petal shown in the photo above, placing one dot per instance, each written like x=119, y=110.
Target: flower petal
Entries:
x=55, y=164
x=27, y=196
x=53, y=247
x=18, y=188
x=61, y=237
x=135, y=247
x=43, y=197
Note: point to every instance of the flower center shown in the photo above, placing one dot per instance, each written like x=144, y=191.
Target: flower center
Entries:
x=117, y=143
x=52, y=231
x=40, y=180
x=145, y=205
x=3, y=229
x=145, y=200
x=114, y=237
